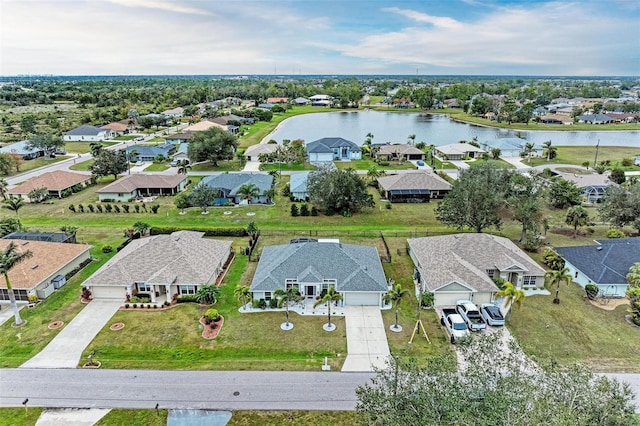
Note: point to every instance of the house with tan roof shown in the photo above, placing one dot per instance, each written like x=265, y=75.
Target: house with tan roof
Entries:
x=46, y=270
x=139, y=185
x=413, y=187
x=399, y=151
x=462, y=267
x=118, y=128
x=593, y=185
x=556, y=119
x=174, y=112
x=254, y=151
x=202, y=126
x=160, y=266
x=458, y=151
x=55, y=182
x=277, y=100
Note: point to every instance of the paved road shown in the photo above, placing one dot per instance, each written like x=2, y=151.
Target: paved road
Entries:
x=219, y=390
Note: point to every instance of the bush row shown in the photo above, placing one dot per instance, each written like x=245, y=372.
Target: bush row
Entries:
x=108, y=208
x=303, y=210
x=77, y=269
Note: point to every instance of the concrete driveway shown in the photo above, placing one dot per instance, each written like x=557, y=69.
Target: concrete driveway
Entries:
x=65, y=349
x=367, y=345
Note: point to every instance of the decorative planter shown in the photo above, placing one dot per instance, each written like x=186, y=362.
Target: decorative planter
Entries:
x=55, y=324
x=117, y=326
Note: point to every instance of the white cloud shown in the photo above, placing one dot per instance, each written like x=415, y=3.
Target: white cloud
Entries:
x=168, y=5
x=437, y=21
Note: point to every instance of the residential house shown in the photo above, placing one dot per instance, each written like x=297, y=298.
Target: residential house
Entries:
x=595, y=119
x=255, y=151
x=22, y=149
x=462, y=266
x=49, y=237
x=329, y=149
x=510, y=147
x=636, y=160
x=55, y=182
x=604, y=264
x=458, y=151
x=265, y=105
x=174, y=112
x=179, y=138
x=117, y=128
x=403, y=152
x=593, y=185
x=556, y=119
x=312, y=267
x=45, y=270
x=413, y=187
x=301, y=101
x=451, y=103
x=202, y=126
x=228, y=185
x=320, y=100
x=298, y=185
x=149, y=153
x=160, y=266
x=623, y=117
x=86, y=133
x=134, y=186
x=182, y=153
x=277, y=100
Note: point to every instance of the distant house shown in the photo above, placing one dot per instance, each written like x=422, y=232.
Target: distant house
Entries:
x=320, y=100
x=636, y=160
x=329, y=149
x=148, y=153
x=595, y=119
x=312, y=267
x=174, y=113
x=179, y=138
x=228, y=185
x=160, y=266
x=298, y=185
x=404, y=152
x=45, y=270
x=254, y=151
x=139, y=185
x=623, y=117
x=118, y=128
x=414, y=187
x=510, y=147
x=301, y=101
x=556, y=119
x=182, y=153
x=202, y=126
x=21, y=148
x=451, y=103
x=86, y=133
x=604, y=264
x=55, y=182
x=593, y=185
x=265, y=105
x=277, y=100
x=462, y=266
x=458, y=151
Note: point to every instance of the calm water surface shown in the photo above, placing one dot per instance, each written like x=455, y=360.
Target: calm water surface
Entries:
x=435, y=129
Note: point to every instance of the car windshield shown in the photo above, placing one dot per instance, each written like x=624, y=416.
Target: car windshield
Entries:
x=459, y=326
x=494, y=312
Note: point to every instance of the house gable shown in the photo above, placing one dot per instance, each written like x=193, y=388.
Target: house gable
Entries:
x=454, y=286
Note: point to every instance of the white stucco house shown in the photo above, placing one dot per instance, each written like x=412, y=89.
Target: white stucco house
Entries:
x=326, y=150
x=86, y=133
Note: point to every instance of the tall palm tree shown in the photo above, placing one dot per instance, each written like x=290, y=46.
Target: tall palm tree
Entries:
x=14, y=204
x=529, y=147
x=369, y=139
x=412, y=139
x=248, y=191
x=547, y=147
x=555, y=278
x=394, y=296
x=4, y=186
x=269, y=194
x=577, y=216
x=513, y=296
x=284, y=298
x=9, y=258
x=330, y=296
x=243, y=294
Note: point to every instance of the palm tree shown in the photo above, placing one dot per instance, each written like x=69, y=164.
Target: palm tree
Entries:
x=512, y=295
x=374, y=173
x=243, y=294
x=248, y=191
x=633, y=277
x=412, y=139
x=14, y=204
x=394, y=296
x=555, y=278
x=369, y=139
x=285, y=297
x=496, y=153
x=577, y=216
x=9, y=258
x=3, y=188
x=330, y=296
x=269, y=194
x=141, y=227
x=547, y=147
x=529, y=147
x=183, y=166
x=207, y=294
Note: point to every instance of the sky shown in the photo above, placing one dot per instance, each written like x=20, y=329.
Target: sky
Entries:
x=244, y=37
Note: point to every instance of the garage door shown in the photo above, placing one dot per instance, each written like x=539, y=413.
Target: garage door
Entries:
x=361, y=299
x=109, y=292
x=450, y=298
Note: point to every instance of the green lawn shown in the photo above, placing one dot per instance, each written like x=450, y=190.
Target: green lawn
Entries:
x=119, y=417
x=295, y=167
x=294, y=418
x=367, y=163
x=157, y=167
x=580, y=154
x=223, y=166
x=125, y=138
x=28, y=165
x=82, y=167
x=83, y=147
x=18, y=416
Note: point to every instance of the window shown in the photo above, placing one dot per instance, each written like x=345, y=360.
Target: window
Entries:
x=291, y=283
x=491, y=272
x=328, y=283
x=576, y=275
x=528, y=281
x=187, y=289
x=267, y=295
x=19, y=294
x=144, y=287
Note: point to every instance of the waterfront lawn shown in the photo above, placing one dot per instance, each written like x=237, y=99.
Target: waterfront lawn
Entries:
x=295, y=418
x=367, y=163
x=17, y=345
x=120, y=416
x=580, y=154
x=577, y=331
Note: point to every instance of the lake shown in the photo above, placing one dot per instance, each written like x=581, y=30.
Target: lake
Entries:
x=436, y=129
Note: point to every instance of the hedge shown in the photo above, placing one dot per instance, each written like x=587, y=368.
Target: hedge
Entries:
x=215, y=232
x=187, y=298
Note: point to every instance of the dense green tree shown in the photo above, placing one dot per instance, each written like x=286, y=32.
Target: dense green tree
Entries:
x=621, y=206
x=28, y=123
x=338, y=190
x=141, y=227
x=181, y=201
x=203, y=196
x=525, y=197
x=10, y=257
x=633, y=277
x=577, y=216
x=4, y=187
x=109, y=163
x=146, y=122
x=617, y=176
x=207, y=294
x=45, y=142
x=564, y=193
x=475, y=198
x=212, y=145
x=6, y=164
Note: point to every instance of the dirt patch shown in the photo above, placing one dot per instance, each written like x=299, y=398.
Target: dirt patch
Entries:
x=55, y=324
x=117, y=326
x=574, y=170
x=211, y=333
x=609, y=304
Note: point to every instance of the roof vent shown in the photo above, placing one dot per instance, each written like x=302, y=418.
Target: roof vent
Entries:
x=599, y=248
x=24, y=243
x=34, y=266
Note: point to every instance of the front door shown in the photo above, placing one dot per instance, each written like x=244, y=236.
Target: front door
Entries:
x=311, y=291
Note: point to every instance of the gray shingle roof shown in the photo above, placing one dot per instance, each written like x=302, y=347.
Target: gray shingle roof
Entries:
x=464, y=258
x=605, y=263
x=414, y=180
x=328, y=144
x=84, y=130
x=183, y=257
x=399, y=149
x=298, y=182
x=354, y=267
x=233, y=181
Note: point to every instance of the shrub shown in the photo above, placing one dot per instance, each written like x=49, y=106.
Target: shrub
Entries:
x=108, y=208
x=107, y=249
x=33, y=298
x=80, y=208
x=273, y=303
x=591, y=290
x=126, y=306
x=255, y=303
x=314, y=211
x=135, y=305
x=627, y=162
x=427, y=300
x=388, y=205
x=148, y=306
x=126, y=208
x=499, y=282
x=116, y=209
x=262, y=304
x=552, y=259
x=166, y=303
x=286, y=191
x=212, y=315
x=155, y=306
x=154, y=208
x=99, y=208
x=532, y=243
x=615, y=233
x=294, y=210
x=186, y=298
x=137, y=208
x=72, y=208
x=90, y=207
x=77, y=269
x=304, y=210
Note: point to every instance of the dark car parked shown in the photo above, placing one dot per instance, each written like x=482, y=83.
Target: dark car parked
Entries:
x=491, y=314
